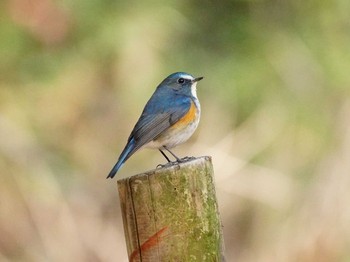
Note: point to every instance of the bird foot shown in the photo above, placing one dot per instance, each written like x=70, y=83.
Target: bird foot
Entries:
x=169, y=164
x=180, y=160
x=185, y=159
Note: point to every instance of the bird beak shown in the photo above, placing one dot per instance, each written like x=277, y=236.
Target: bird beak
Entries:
x=197, y=79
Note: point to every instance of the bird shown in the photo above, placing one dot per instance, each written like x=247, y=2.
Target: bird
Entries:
x=168, y=119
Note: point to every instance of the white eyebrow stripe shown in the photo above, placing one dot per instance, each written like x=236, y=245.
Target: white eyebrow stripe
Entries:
x=186, y=77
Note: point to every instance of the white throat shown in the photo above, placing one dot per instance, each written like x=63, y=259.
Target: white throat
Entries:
x=194, y=90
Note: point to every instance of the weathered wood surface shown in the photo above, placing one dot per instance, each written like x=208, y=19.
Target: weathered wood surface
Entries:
x=171, y=214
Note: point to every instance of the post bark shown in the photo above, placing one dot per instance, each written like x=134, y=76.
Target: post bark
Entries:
x=171, y=214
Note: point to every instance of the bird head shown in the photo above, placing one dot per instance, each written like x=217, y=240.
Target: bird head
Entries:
x=182, y=83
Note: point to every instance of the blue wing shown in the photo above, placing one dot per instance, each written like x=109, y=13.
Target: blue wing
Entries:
x=162, y=111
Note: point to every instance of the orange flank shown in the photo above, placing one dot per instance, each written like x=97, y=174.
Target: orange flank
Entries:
x=149, y=243
x=188, y=117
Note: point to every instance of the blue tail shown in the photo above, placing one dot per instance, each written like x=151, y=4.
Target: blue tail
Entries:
x=122, y=158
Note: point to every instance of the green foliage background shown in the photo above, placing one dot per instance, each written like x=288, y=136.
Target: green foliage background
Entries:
x=75, y=75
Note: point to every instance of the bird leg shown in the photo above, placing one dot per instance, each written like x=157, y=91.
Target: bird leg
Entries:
x=177, y=159
x=170, y=163
x=166, y=157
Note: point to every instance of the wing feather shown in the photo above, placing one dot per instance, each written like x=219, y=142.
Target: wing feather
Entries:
x=155, y=121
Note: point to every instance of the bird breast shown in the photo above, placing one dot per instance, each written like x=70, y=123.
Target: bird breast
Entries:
x=181, y=131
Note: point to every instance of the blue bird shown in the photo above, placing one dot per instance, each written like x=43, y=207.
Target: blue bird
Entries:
x=169, y=118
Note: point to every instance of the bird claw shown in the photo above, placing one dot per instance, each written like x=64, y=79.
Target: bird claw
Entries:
x=185, y=159
x=180, y=160
x=169, y=164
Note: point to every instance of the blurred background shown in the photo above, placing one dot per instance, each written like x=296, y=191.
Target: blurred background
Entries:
x=75, y=75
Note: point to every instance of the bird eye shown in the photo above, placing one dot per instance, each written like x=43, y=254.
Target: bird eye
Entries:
x=181, y=80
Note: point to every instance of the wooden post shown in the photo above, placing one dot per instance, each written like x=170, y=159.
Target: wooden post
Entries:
x=171, y=214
